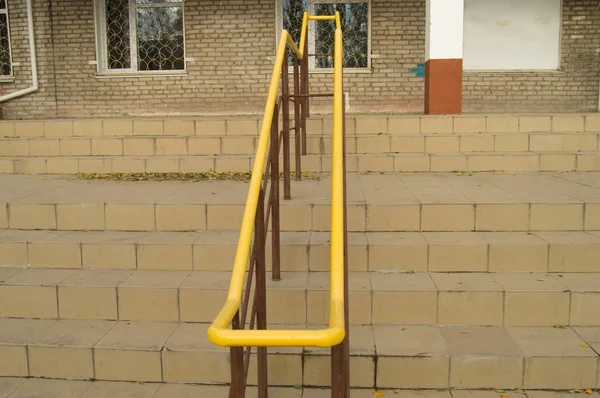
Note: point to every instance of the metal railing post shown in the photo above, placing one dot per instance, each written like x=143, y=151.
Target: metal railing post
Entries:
x=285, y=110
x=275, y=238
x=237, y=388
x=298, y=128
x=261, y=293
x=304, y=89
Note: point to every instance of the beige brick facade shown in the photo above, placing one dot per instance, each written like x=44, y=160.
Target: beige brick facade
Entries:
x=230, y=75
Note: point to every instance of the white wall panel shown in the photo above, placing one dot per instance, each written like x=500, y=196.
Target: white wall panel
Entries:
x=444, y=35
x=512, y=34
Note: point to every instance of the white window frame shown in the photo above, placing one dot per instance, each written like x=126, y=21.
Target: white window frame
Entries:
x=12, y=69
x=101, y=38
x=312, y=36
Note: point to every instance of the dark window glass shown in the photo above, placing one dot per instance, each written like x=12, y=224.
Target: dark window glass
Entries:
x=118, y=45
x=160, y=38
x=355, y=27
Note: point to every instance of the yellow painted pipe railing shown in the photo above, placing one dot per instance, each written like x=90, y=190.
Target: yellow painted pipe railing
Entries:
x=219, y=332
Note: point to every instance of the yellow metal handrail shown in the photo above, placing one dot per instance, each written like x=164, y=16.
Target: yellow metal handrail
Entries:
x=219, y=332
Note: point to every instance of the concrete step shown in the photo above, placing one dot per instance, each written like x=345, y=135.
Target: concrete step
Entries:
x=355, y=124
x=552, y=252
x=87, y=389
x=378, y=298
x=384, y=162
x=316, y=144
x=424, y=357
x=376, y=203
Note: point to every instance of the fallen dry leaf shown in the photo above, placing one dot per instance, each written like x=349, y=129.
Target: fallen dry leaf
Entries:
x=588, y=391
x=378, y=393
x=585, y=346
x=203, y=176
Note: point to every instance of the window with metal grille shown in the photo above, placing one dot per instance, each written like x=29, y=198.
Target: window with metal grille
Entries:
x=355, y=18
x=5, y=54
x=140, y=35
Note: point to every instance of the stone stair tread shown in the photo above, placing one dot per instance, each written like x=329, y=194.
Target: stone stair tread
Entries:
x=56, y=189
x=572, y=251
x=382, y=280
x=377, y=202
x=307, y=157
x=376, y=297
x=24, y=388
x=562, y=357
x=299, y=238
x=384, y=340
x=310, y=134
x=249, y=124
x=566, y=161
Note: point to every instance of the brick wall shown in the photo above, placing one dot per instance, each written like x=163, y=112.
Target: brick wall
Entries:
x=43, y=102
x=398, y=45
x=228, y=69
x=230, y=75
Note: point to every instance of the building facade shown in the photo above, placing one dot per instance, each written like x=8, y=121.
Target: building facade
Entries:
x=106, y=58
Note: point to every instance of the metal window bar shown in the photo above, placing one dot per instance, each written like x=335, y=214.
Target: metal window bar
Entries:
x=5, y=42
x=122, y=39
x=356, y=23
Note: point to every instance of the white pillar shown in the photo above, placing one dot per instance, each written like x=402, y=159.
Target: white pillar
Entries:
x=443, y=56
